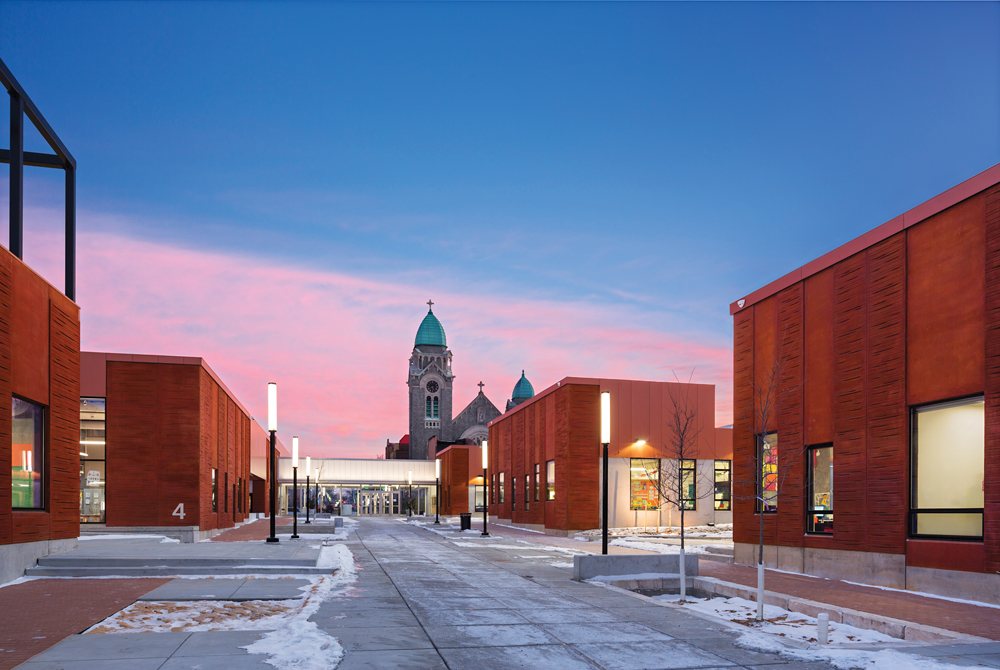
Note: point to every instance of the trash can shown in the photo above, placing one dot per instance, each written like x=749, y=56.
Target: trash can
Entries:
x=466, y=520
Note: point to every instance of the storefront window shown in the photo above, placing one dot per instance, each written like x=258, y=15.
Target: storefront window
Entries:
x=820, y=490
x=723, y=486
x=948, y=466
x=550, y=480
x=689, y=491
x=27, y=455
x=501, y=488
x=478, y=493
x=538, y=473
x=767, y=482
x=93, y=453
x=644, y=476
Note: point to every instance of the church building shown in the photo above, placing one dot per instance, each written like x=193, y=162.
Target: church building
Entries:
x=431, y=382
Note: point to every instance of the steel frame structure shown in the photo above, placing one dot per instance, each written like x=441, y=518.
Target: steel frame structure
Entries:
x=17, y=157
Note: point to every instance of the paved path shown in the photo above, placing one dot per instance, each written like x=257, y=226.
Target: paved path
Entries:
x=960, y=617
x=35, y=615
x=427, y=601
x=255, y=530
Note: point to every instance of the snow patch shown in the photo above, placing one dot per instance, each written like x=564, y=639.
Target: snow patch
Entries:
x=845, y=659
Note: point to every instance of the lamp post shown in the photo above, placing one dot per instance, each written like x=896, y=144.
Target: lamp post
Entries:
x=316, y=497
x=486, y=498
x=437, y=485
x=605, y=441
x=272, y=428
x=295, y=487
x=308, y=470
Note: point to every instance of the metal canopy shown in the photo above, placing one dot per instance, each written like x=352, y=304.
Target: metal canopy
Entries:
x=21, y=106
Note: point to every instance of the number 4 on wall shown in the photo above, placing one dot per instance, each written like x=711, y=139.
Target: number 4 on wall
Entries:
x=179, y=511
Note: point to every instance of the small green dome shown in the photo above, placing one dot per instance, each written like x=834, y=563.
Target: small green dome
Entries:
x=522, y=389
x=431, y=332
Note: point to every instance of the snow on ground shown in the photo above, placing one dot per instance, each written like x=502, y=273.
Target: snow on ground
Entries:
x=718, y=531
x=124, y=536
x=292, y=643
x=659, y=547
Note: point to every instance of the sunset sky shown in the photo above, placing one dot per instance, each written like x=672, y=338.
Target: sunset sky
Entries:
x=582, y=189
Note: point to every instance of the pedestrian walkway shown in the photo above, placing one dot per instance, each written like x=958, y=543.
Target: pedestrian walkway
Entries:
x=978, y=620
x=255, y=530
x=36, y=615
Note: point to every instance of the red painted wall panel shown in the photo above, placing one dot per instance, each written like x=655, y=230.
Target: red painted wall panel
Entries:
x=789, y=416
x=941, y=555
x=991, y=483
x=819, y=360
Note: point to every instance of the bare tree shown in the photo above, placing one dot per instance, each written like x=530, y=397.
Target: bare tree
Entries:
x=677, y=484
x=767, y=469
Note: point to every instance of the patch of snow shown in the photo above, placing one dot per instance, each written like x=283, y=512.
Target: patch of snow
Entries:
x=845, y=659
x=526, y=530
x=170, y=540
x=657, y=547
x=122, y=536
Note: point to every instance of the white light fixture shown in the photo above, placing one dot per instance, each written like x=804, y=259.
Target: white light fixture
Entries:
x=410, y=478
x=295, y=451
x=640, y=443
x=605, y=418
x=317, y=477
x=308, y=465
x=272, y=406
x=485, y=458
x=437, y=468
x=92, y=442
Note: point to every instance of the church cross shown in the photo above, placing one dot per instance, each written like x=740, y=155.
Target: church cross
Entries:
x=481, y=385
x=430, y=305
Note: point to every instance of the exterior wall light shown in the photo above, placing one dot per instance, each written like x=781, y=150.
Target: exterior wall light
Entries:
x=486, y=496
x=605, y=441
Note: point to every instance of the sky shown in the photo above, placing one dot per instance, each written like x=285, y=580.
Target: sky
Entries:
x=581, y=188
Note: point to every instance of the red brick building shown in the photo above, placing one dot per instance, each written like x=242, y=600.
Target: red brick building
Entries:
x=174, y=447
x=461, y=477
x=545, y=457
x=889, y=431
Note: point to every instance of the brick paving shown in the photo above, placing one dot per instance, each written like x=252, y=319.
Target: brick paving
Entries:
x=37, y=614
x=966, y=618
x=255, y=530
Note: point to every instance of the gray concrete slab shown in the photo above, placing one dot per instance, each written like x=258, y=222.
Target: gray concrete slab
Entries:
x=488, y=636
x=515, y=658
x=248, y=662
x=219, y=643
x=379, y=638
x=581, y=633
x=271, y=589
x=179, y=590
x=112, y=647
x=102, y=664
x=411, y=659
x=650, y=655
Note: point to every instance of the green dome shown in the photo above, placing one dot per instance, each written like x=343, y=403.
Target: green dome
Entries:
x=431, y=332
x=522, y=389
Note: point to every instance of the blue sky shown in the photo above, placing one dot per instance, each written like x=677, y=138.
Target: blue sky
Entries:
x=651, y=162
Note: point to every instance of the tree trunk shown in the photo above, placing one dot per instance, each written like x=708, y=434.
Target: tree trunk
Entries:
x=760, y=568
x=681, y=558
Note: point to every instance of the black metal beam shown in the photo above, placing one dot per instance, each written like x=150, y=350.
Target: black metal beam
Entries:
x=71, y=233
x=33, y=159
x=16, y=245
x=36, y=117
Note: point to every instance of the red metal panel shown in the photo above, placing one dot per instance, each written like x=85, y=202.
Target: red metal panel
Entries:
x=791, y=493
x=6, y=519
x=64, y=419
x=850, y=401
x=940, y=555
x=206, y=435
x=888, y=437
x=582, y=457
x=819, y=359
x=562, y=457
x=30, y=335
x=991, y=483
x=744, y=526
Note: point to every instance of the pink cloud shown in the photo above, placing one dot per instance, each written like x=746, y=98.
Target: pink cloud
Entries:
x=338, y=345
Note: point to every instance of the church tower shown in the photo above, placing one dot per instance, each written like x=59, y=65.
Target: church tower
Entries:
x=430, y=381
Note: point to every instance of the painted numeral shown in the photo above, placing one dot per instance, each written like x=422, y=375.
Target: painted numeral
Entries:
x=179, y=511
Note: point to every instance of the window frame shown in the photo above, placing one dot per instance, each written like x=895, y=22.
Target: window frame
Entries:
x=41, y=468
x=538, y=475
x=689, y=504
x=728, y=485
x=550, y=482
x=632, y=506
x=501, y=487
x=811, y=512
x=913, y=512
x=527, y=492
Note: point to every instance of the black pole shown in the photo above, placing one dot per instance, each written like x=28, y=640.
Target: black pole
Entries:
x=295, y=507
x=274, y=488
x=486, y=506
x=307, y=498
x=409, y=500
x=437, y=507
x=604, y=501
x=16, y=221
x=70, y=232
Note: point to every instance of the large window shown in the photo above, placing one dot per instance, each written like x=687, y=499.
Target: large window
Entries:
x=93, y=450
x=527, y=492
x=689, y=483
x=215, y=489
x=478, y=497
x=27, y=455
x=723, y=486
x=513, y=493
x=820, y=489
x=538, y=477
x=501, y=488
x=767, y=478
x=947, y=469
x=550, y=480
x=644, y=475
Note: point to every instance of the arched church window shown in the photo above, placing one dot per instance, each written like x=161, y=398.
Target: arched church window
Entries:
x=435, y=407
x=482, y=415
x=427, y=413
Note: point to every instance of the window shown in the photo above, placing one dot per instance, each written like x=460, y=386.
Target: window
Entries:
x=644, y=476
x=225, y=490
x=767, y=482
x=689, y=487
x=427, y=411
x=436, y=414
x=215, y=489
x=92, y=460
x=493, y=489
x=538, y=472
x=513, y=494
x=239, y=495
x=527, y=492
x=501, y=488
x=478, y=497
x=820, y=489
x=27, y=455
x=947, y=468
x=723, y=486
x=550, y=480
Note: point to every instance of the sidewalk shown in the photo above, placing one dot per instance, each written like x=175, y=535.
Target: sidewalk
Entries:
x=255, y=530
x=38, y=614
